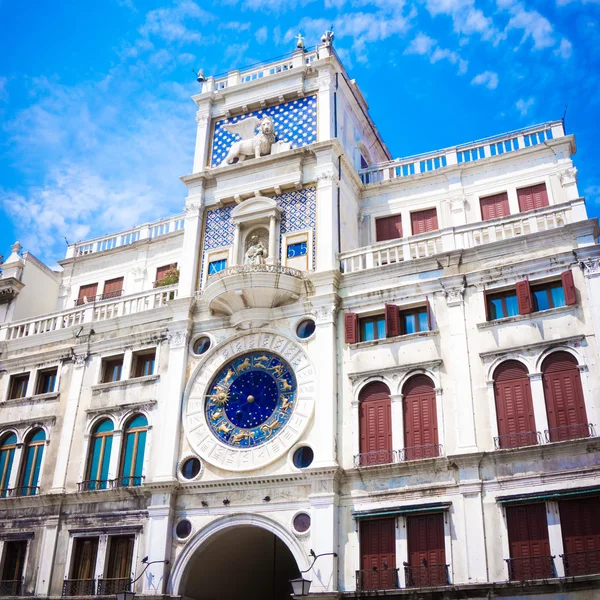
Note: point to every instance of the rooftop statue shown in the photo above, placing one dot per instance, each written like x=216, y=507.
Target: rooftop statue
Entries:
x=250, y=144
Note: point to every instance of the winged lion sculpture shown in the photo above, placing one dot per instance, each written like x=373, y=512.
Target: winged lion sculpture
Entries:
x=250, y=144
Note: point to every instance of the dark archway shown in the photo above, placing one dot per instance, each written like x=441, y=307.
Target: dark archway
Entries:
x=240, y=562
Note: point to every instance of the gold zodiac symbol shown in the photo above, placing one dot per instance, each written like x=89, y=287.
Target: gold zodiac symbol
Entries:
x=224, y=428
x=285, y=386
x=269, y=429
x=220, y=397
x=217, y=414
x=228, y=376
x=277, y=368
x=244, y=365
x=242, y=435
x=259, y=360
x=286, y=403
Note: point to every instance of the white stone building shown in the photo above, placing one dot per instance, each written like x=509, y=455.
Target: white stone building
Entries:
x=392, y=363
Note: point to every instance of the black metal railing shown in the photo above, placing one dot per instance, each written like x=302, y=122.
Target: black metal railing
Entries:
x=12, y=587
x=91, y=485
x=129, y=481
x=27, y=490
x=420, y=452
x=110, y=587
x=426, y=575
x=530, y=567
x=386, y=457
x=581, y=563
x=378, y=457
x=79, y=587
x=377, y=579
x=569, y=432
x=517, y=440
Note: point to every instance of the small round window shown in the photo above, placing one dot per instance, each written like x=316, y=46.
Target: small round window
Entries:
x=183, y=529
x=190, y=468
x=305, y=329
x=303, y=457
x=201, y=345
x=302, y=522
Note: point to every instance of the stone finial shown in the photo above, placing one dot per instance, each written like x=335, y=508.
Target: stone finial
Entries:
x=14, y=257
x=327, y=37
x=300, y=42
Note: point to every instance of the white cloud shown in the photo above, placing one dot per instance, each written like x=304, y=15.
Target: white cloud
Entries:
x=523, y=106
x=488, y=78
x=466, y=19
x=3, y=89
x=421, y=44
x=565, y=49
x=530, y=22
x=169, y=24
x=452, y=57
x=564, y=2
x=592, y=193
x=262, y=34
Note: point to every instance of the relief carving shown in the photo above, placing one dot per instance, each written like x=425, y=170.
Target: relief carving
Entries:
x=250, y=145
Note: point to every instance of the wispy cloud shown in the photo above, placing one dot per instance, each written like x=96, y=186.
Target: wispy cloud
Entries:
x=261, y=34
x=565, y=50
x=423, y=45
x=523, y=105
x=488, y=78
x=531, y=23
x=3, y=89
x=466, y=19
x=170, y=24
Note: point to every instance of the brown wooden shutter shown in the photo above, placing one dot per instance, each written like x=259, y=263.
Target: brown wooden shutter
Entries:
x=420, y=418
x=375, y=424
x=392, y=320
x=84, y=565
x=429, y=316
x=425, y=537
x=120, y=557
x=378, y=553
x=14, y=560
x=524, y=298
x=87, y=291
x=388, y=228
x=528, y=539
x=423, y=221
x=514, y=405
x=535, y=196
x=494, y=207
x=113, y=288
x=351, y=328
x=563, y=393
x=580, y=525
x=162, y=271
x=569, y=287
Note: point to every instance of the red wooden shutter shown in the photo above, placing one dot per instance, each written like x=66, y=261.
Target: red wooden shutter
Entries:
x=528, y=541
x=420, y=418
x=569, y=287
x=423, y=221
x=494, y=207
x=524, y=298
x=535, y=196
x=392, y=320
x=429, y=316
x=426, y=549
x=351, y=328
x=580, y=525
x=113, y=288
x=375, y=424
x=565, y=405
x=87, y=291
x=514, y=405
x=378, y=553
x=388, y=228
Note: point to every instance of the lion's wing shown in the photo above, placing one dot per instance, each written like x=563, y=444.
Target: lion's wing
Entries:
x=244, y=128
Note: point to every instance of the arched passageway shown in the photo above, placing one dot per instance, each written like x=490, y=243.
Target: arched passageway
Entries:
x=244, y=561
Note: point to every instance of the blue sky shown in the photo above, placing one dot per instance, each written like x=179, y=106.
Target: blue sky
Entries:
x=97, y=125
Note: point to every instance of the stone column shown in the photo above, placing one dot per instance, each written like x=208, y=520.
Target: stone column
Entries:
x=273, y=257
x=46, y=555
x=325, y=112
x=401, y=549
x=115, y=454
x=539, y=403
x=327, y=231
x=201, y=158
x=68, y=425
x=555, y=537
x=188, y=269
x=397, y=421
x=474, y=542
x=235, y=250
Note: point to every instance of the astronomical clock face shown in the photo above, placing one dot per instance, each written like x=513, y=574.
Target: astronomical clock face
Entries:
x=249, y=401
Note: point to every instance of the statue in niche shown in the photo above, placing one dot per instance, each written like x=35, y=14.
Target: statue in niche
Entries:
x=250, y=145
x=256, y=248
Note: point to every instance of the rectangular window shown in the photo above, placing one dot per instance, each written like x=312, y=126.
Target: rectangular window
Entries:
x=112, y=369
x=388, y=228
x=87, y=293
x=494, y=207
x=548, y=295
x=377, y=555
x=144, y=364
x=18, y=386
x=295, y=250
x=12, y=570
x=414, y=320
x=502, y=305
x=113, y=288
x=423, y=221
x=46, y=381
x=532, y=197
x=162, y=271
x=372, y=328
x=120, y=556
x=85, y=552
x=216, y=266
x=426, y=551
x=580, y=525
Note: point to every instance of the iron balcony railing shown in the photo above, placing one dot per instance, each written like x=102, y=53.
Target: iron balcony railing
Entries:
x=385, y=457
x=377, y=579
x=79, y=587
x=426, y=575
x=530, y=567
x=110, y=587
x=12, y=587
x=98, y=297
x=569, y=432
x=517, y=440
x=91, y=485
x=581, y=563
x=129, y=481
x=22, y=490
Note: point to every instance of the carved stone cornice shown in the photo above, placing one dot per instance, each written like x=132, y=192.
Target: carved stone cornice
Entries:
x=568, y=176
x=177, y=339
x=9, y=289
x=394, y=372
x=590, y=266
x=454, y=296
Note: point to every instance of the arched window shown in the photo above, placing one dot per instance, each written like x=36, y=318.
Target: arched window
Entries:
x=34, y=451
x=375, y=424
x=7, y=455
x=567, y=418
x=420, y=419
x=514, y=406
x=132, y=460
x=99, y=458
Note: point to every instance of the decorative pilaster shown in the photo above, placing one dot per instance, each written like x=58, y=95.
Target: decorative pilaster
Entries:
x=327, y=230
x=568, y=181
x=202, y=139
x=188, y=269
x=536, y=385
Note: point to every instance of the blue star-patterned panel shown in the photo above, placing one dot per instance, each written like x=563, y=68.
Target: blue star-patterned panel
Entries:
x=294, y=121
x=251, y=399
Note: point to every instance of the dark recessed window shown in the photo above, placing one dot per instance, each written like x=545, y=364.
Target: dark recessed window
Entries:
x=46, y=381
x=144, y=364
x=183, y=529
x=502, y=305
x=372, y=328
x=112, y=369
x=201, y=345
x=18, y=386
x=305, y=329
x=302, y=522
x=303, y=457
x=190, y=468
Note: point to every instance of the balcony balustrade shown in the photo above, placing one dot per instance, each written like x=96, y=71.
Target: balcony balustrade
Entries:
x=22, y=490
x=11, y=588
x=426, y=575
x=92, y=485
x=79, y=587
x=586, y=562
x=517, y=440
x=530, y=567
x=569, y=432
x=383, y=457
x=377, y=579
x=110, y=587
x=99, y=297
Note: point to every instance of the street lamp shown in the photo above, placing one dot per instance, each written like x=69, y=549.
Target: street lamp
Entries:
x=301, y=586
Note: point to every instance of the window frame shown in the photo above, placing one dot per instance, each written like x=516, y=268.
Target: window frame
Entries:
x=9, y=465
x=502, y=295
x=547, y=287
x=141, y=358
x=423, y=309
x=28, y=470
x=136, y=432
x=23, y=564
x=11, y=385
x=106, y=362
x=39, y=379
x=103, y=436
x=375, y=319
x=303, y=262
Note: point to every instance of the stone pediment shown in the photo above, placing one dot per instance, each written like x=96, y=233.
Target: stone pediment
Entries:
x=255, y=208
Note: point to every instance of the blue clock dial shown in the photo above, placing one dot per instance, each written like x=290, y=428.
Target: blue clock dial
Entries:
x=251, y=399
